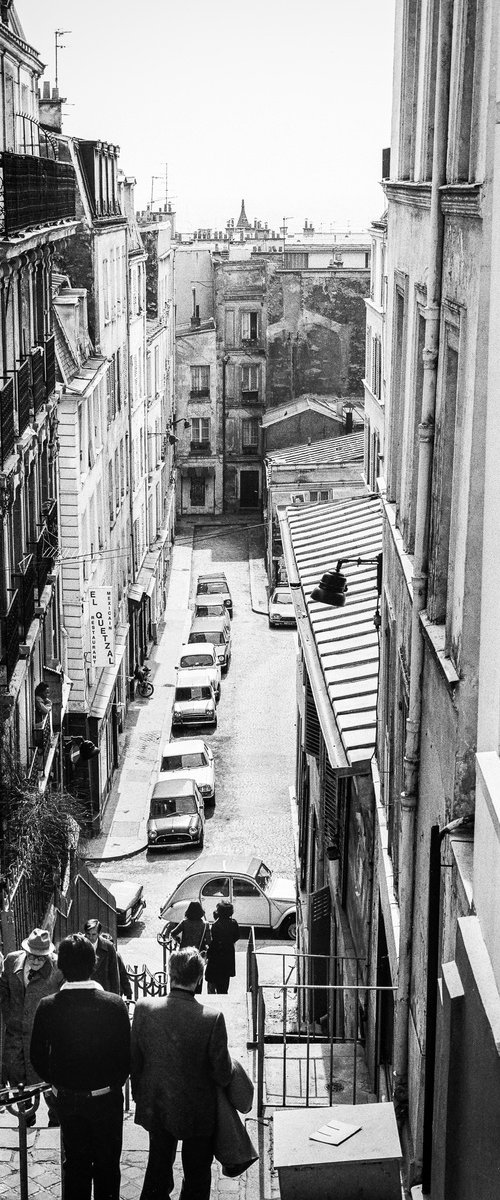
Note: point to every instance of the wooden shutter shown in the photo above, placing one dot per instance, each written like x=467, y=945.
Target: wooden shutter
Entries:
x=312, y=730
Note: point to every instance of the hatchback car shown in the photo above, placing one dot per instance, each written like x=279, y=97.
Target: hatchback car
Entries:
x=129, y=900
x=211, y=606
x=194, y=700
x=209, y=585
x=214, y=630
x=190, y=759
x=281, y=610
x=202, y=657
x=258, y=896
x=176, y=815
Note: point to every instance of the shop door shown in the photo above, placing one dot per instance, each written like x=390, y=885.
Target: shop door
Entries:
x=319, y=943
x=249, y=489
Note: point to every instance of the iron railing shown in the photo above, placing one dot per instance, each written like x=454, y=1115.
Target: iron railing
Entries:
x=26, y=579
x=23, y=395
x=36, y=191
x=50, y=364
x=38, y=391
x=10, y=635
x=46, y=545
x=7, y=426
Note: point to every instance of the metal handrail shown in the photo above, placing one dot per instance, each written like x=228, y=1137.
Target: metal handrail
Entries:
x=22, y=1101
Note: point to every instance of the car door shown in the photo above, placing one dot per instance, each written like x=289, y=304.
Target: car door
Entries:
x=213, y=890
x=251, y=906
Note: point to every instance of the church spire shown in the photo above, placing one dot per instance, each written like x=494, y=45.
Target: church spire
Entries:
x=243, y=222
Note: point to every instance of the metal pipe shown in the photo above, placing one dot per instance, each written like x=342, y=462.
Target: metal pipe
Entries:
x=409, y=796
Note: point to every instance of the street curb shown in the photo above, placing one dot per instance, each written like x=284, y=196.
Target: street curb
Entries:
x=260, y=608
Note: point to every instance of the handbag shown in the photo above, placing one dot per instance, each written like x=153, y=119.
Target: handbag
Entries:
x=233, y=1147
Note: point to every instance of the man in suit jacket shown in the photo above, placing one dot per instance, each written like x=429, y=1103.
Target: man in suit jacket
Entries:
x=179, y=1055
x=29, y=974
x=81, y=1045
x=106, y=970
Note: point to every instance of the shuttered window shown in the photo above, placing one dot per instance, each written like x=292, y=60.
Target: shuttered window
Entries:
x=312, y=730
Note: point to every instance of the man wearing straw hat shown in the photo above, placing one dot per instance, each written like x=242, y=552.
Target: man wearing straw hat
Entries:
x=29, y=974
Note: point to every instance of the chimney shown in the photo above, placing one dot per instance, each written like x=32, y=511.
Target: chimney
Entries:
x=50, y=107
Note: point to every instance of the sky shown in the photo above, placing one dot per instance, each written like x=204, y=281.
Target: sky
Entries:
x=285, y=103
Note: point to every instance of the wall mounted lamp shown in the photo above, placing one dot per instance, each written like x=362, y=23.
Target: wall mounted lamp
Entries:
x=333, y=587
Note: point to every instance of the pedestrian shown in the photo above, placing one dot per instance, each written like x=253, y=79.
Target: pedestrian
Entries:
x=81, y=1045
x=29, y=974
x=179, y=1055
x=193, y=930
x=221, y=960
x=106, y=964
x=125, y=984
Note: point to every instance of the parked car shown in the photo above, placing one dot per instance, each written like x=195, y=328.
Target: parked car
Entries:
x=129, y=900
x=189, y=759
x=194, y=699
x=258, y=896
x=211, y=606
x=201, y=657
x=209, y=585
x=176, y=815
x=281, y=610
x=214, y=630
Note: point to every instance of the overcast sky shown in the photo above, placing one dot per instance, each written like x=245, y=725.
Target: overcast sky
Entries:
x=283, y=102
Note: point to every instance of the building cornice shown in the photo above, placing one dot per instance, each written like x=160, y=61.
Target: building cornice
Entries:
x=406, y=191
x=462, y=199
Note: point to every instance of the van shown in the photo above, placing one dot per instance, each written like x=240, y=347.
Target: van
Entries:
x=213, y=629
x=194, y=700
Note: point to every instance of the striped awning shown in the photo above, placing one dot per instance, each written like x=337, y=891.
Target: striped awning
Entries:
x=345, y=639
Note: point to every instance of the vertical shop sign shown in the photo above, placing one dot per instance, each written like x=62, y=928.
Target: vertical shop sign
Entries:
x=102, y=627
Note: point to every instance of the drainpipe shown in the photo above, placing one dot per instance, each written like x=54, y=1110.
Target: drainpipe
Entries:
x=225, y=360
x=130, y=443
x=409, y=796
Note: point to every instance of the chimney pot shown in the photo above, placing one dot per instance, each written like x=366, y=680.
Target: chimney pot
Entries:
x=55, y=93
x=46, y=90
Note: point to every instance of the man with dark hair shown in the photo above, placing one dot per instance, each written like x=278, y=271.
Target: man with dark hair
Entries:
x=179, y=1055
x=106, y=970
x=81, y=1045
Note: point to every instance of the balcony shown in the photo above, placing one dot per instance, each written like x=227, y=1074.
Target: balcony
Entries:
x=43, y=737
x=200, y=448
x=23, y=395
x=38, y=392
x=46, y=545
x=36, y=191
x=10, y=637
x=25, y=580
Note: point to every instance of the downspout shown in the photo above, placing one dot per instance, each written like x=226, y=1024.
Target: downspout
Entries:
x=409, y=796
x=130, y=442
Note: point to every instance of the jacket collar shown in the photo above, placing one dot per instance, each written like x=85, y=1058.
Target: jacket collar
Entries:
x=180, y=994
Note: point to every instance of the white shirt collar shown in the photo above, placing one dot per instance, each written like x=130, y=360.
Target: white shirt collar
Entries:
x=90, y=985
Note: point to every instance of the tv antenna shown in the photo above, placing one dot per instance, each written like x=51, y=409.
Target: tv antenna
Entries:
x=59, y=33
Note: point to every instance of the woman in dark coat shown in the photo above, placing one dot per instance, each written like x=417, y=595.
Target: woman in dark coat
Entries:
x=193, y=931
x=221, y=962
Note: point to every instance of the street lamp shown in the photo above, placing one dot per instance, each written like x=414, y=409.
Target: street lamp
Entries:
x=333, y=587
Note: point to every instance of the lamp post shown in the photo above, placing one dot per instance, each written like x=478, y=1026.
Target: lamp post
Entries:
x=333, y=586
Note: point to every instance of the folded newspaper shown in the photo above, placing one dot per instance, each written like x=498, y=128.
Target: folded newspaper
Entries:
x=334, y=1133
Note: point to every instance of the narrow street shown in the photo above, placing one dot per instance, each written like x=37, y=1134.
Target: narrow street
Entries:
x=254, y=744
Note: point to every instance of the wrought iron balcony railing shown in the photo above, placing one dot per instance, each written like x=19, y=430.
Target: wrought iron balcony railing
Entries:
x=7, y=427
x=10, y=637
x=23, y=395
x=38, y=391
x=36, y=191
x=47, y=545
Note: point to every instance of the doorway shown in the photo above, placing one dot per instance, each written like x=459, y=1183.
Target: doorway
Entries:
x=249, y=489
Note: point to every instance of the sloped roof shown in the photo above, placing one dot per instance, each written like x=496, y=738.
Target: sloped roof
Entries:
x=66, y=359
x=330, y=451
x=292, y=408
x=345, y=639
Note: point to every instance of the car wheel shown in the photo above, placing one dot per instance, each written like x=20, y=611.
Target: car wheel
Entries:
x=201, y=841
x=288, y=928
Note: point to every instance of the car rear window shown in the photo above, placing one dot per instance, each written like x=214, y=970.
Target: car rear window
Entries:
x=181, y=762
x=196, y=660
x=212, y=586
x=193, y=693
x=282, y=598
x=175, y=806
x=210, y=610
x=216, y=638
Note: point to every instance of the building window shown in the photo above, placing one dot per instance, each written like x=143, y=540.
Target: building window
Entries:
x=200, y=381
x=230, y=327
x=197, y=493
x=250, y=381
x=250, y=435
x=249, y=326
x=447, y=449
x=200, y=435
x=111, y=494
x=296, y=261
x=318, y=496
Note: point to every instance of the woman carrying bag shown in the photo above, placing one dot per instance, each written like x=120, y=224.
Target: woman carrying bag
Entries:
x=221, y=962
x=193, y=931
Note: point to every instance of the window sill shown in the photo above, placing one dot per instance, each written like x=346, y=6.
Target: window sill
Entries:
x=436, y=639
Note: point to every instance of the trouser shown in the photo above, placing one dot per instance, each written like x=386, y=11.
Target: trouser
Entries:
x=197, y=1157
x=92, y=1131
x=220, y=984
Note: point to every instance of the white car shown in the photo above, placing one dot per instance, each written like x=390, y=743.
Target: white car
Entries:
x=194, y=700
x=211, y=606
x=201, y=657
x=281, y=610
x=190, y=759
x=258, y=897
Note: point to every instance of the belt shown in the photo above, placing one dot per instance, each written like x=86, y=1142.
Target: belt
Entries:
x=69, y=1092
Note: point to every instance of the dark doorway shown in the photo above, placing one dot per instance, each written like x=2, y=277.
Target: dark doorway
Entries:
x=249, y=489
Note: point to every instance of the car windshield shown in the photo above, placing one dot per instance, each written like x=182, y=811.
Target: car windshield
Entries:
x=210, y=610
x=197, y=660
x=282, y=598
x=181, y=762
x=174, y=806
x=263, y=876
x=212, y=586
x=192, y=693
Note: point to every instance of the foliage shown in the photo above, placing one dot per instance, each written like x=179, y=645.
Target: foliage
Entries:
x=38, y=828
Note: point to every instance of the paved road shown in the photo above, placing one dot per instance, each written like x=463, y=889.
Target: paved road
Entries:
x=254, y=744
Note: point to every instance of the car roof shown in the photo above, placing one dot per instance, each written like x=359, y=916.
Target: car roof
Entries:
x=195, y=648
x=211, y=598
x=166, y=788
x=199, y=677
x=239, y=864
x=212, y=575
x=187, y=746
x=206, y=623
